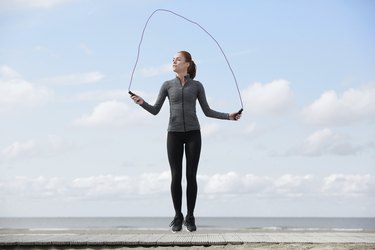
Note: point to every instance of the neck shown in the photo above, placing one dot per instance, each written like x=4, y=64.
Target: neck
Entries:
x=181, y=75
x=182, y=78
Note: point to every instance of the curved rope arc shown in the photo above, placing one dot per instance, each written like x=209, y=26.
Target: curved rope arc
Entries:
x=197, y=24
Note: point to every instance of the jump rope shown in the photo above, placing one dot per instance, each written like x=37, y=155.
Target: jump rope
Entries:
x=197, y=24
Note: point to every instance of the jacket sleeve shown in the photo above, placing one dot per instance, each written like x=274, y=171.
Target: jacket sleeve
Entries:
x=206, y=108
x=155, y=109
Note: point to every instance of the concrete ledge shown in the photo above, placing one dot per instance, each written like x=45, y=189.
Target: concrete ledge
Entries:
x=134, y=238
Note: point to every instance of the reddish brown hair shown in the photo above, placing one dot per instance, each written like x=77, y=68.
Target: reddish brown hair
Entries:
x=192, y=70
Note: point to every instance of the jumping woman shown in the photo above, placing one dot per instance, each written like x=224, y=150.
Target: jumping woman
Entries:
x=183, y=132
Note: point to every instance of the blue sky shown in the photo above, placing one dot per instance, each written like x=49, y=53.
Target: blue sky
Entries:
x=74, y=144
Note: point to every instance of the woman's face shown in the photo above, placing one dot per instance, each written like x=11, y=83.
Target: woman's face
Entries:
x=179, y=64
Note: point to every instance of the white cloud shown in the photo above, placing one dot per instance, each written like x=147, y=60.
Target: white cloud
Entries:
x=293, y=185
x=234, y=183
x=7, y=73
x=325, y=141
x=319, y=142
x=34, y=4
x=110, y=185
x=351, y=106
x=231, y=183
x=103, y=185
x=109, y=114
x=353, y=185
x=92, y=187
x=154, y=71
x=33, y=187
x=23, y=150
x=19, y=150
x=154, y=183
x=268, y=98
x=72, y=79
x=16, y=92
x=222, y=183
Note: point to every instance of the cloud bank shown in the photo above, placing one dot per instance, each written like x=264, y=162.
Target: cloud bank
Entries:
x=147, y=184
x=24, y=150
x=16, y=92
x=108, y=114
x=326, y=142
x=268, y=98
x=32, y=4
x=351, y=106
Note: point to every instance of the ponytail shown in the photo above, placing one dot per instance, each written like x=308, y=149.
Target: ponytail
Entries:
x=192, y=70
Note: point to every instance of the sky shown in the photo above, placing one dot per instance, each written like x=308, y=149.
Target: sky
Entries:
x=72, y=142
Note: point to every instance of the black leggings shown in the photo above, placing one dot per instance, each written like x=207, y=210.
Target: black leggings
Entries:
x=175, y=146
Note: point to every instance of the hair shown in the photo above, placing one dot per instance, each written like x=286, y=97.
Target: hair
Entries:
x=192, y=70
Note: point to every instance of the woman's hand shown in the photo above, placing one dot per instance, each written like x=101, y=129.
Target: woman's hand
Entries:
x=137, y=99
x=234, y=116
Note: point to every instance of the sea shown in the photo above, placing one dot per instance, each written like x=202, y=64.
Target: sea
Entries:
x=220, y=223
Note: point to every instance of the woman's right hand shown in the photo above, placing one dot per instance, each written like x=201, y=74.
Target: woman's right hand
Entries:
x=137, y=99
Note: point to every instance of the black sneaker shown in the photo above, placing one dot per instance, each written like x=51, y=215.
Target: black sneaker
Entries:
x=190, y=223
x=176, y=223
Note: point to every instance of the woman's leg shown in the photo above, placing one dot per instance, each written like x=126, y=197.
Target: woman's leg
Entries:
x=175, y=148
x=193, y=149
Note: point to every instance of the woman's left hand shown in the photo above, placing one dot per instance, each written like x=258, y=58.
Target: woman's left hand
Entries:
x=234, y=116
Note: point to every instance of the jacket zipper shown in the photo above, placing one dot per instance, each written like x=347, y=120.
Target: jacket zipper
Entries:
x=183, y=108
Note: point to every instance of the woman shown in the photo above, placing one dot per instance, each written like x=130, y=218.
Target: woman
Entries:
x=183, y=130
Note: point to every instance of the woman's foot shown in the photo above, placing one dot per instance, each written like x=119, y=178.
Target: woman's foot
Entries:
x=190, y=223
x=176, y=223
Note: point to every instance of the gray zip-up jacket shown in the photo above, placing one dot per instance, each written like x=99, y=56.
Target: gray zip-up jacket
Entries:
x=182, y=102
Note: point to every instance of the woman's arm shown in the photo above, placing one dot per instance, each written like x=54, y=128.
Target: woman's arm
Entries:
x=206, y=108
x=153, y=109
x=212, y=113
